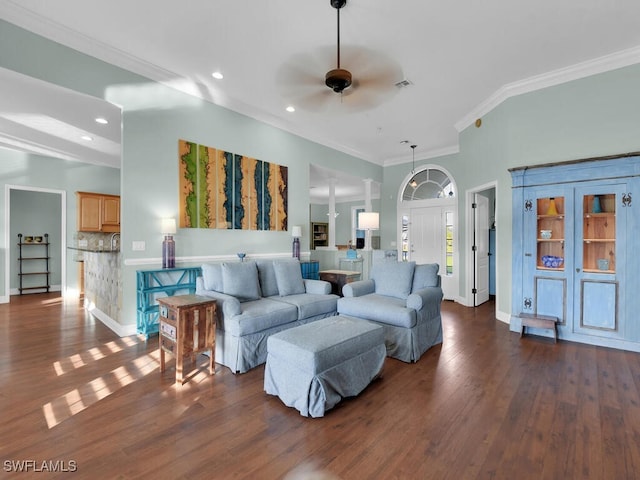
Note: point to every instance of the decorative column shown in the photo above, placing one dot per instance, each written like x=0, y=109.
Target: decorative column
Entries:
x=332, y=214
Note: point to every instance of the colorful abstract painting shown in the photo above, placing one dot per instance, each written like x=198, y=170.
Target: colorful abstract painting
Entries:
x=224, y=190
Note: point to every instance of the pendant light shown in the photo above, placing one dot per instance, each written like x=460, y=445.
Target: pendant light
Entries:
x=413, y=182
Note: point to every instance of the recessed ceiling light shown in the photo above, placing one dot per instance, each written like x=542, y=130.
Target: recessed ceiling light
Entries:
x=102, y=120
x=402, y=142
x=291, y=109
x=87, y=138
x=217, y=75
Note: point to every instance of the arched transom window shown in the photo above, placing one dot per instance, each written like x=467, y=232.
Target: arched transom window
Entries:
x=428, y=184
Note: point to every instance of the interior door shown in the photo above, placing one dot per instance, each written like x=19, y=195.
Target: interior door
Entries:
x=481, y=250
x=427, y=243
x=427, y=236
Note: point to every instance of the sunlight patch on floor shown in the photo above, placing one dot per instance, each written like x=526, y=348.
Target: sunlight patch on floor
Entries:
x=94, y=354
x=79, y=399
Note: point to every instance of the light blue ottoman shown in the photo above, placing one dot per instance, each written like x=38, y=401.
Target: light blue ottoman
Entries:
x=314, y=366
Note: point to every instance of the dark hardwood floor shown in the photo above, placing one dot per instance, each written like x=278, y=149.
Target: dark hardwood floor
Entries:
x=485, y=404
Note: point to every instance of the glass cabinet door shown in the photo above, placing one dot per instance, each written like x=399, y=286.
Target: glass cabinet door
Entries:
x=599, y=233
x=550, y=233
x=600, y=224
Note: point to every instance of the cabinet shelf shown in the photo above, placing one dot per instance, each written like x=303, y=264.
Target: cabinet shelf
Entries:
x=599, y=240
x=551, y=240
x=597, y=270
x=600, y=215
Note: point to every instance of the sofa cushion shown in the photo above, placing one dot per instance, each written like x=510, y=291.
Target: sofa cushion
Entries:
x=212, y=276
x=260, y=315
x=241, y=280
x=425, y=276
x=267, y=277
x=289, y=278
x=311, y=304
x=379, y=308
x=393, y=279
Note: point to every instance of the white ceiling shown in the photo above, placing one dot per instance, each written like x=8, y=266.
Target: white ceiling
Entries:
x=462, y=58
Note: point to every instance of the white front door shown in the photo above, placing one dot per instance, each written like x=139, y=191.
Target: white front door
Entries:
x=427, y=243
x=481, y=250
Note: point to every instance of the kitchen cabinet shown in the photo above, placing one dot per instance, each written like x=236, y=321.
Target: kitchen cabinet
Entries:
x=574, y=227
x=98, y=212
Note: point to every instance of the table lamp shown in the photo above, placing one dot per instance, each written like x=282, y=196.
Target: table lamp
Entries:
x=168, y=245
x=296, y=233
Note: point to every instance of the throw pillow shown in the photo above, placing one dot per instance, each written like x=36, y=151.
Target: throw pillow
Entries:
x=289, y=278
x=240, y=280
x=425, y=276
x=267, y=277
x=212, y=276
x=393, y=279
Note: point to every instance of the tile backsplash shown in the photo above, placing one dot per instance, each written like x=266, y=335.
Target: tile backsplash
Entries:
x=93, y=240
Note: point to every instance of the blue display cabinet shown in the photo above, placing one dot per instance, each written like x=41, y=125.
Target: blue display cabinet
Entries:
x=575, y=225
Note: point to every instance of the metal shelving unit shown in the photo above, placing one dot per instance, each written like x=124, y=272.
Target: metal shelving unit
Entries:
x=33, y=262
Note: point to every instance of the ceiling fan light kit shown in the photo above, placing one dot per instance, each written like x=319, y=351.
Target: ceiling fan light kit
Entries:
x=338, y=79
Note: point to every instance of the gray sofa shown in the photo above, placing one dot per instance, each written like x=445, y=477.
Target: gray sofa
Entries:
x=257, y=299
x=405, y=299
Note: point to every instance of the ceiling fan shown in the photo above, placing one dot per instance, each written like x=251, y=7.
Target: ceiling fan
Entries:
x=374, y=81
x=338, y=79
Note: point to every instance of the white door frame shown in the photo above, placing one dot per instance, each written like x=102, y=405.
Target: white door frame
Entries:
x=7, y=239
x=467, y=297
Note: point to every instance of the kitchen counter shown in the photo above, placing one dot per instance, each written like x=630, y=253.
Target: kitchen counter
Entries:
x=94, y=250
x=102, y=284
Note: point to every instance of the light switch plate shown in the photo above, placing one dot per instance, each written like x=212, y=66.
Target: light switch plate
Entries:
x=138, y=245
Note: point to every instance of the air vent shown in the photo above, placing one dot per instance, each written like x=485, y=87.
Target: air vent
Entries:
x=404, y=83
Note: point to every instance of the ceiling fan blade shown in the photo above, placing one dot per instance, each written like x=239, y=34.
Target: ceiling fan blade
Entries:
x=301, y=79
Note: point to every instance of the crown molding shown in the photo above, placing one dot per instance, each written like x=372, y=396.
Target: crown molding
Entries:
x=25, y=18
x=623, y=58
x=439, y=152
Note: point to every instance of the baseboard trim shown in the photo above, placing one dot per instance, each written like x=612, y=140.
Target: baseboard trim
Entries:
x=115, y=327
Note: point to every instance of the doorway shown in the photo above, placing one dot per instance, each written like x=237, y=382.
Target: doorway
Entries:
x=35, y=211
x=481, y=272
x=427, y=224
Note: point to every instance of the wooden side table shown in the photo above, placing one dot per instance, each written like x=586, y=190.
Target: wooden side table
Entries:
x=187, y=326
x=339, y=278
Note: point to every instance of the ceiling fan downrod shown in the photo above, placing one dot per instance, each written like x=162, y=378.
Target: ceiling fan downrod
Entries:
x=338, y=79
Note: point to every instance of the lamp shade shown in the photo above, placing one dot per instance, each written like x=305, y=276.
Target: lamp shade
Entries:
x=296, y=231
x=168, y=226
x=368, y=220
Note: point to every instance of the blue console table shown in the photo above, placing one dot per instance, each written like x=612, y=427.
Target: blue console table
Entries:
x=154, y=284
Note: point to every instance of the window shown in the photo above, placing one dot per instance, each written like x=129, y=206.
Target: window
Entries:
x=428, y=184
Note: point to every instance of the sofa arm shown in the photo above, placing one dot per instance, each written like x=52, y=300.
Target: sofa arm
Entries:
x=230, y=305
x=428, y=296
x=319, y=287
x=359, y=288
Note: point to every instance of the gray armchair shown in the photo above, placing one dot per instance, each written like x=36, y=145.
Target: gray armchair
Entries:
x=405, y=299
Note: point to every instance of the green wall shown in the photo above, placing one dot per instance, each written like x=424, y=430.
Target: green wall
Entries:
x=343, y=220
x=19, y=169
x=155, y=117
x=593, y=116
x=598, y=115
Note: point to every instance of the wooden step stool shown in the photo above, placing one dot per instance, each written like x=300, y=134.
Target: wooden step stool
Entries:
x=539, y=321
